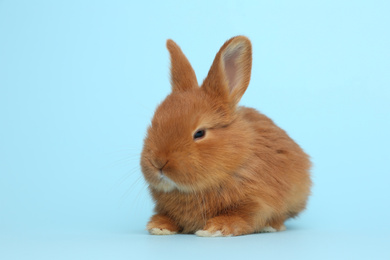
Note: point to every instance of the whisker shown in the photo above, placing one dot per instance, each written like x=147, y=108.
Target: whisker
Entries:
x=135, y=150
x=141, y=195
x=122, y=162
x=131, y=188
x=124, y=177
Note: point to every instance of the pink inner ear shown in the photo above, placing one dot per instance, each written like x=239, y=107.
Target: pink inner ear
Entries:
x=232, y=72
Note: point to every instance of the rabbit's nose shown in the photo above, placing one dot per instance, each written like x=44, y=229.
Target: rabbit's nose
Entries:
x=159, y=163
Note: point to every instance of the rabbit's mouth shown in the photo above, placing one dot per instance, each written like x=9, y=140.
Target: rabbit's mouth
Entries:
x=166, y=183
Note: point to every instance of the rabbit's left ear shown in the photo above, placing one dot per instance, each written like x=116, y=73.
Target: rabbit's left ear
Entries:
x=230, y=72
x=182, y=74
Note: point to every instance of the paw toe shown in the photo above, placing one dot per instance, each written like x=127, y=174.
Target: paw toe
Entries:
x=161, y=231
x=207, y=233
x=268, y=229
x=282, y=228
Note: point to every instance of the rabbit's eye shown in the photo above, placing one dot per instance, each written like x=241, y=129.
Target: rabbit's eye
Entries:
x=199, y=134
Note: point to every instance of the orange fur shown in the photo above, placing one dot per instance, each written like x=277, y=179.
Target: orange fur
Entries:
x=245, y=174
x=162, y=222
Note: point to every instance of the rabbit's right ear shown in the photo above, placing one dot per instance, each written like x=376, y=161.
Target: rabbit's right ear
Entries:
x=182, y=74
x=230, y=73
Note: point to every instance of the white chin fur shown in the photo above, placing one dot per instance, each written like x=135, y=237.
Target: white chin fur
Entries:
x=160, y=231
x=206, y=233
x=166, y=184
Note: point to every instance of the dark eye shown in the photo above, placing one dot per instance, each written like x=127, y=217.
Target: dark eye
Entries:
x=199, y=134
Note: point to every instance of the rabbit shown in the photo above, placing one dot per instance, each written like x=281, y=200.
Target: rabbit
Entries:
x=215, y=168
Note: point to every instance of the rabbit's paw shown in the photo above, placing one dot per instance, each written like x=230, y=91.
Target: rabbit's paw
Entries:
x=161, y=225
x=206, y=233
x=270, y=229
x=161, y=231
x=225, y=226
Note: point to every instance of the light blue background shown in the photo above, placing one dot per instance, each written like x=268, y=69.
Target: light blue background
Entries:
x=79, y=81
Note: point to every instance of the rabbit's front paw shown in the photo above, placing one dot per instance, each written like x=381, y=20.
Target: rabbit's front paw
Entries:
x=161, y=225
x=225, y=226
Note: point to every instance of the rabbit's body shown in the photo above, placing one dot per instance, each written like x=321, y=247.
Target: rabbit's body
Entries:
x=215, y=168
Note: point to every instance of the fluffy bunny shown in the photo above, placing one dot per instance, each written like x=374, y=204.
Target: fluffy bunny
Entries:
x=215, y=168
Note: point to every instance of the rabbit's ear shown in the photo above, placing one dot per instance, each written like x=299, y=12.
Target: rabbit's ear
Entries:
x=182, y=74
x=230, y=72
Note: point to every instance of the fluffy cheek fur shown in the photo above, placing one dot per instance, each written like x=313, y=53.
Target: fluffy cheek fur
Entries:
x=201, y=166
x=182, y=173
